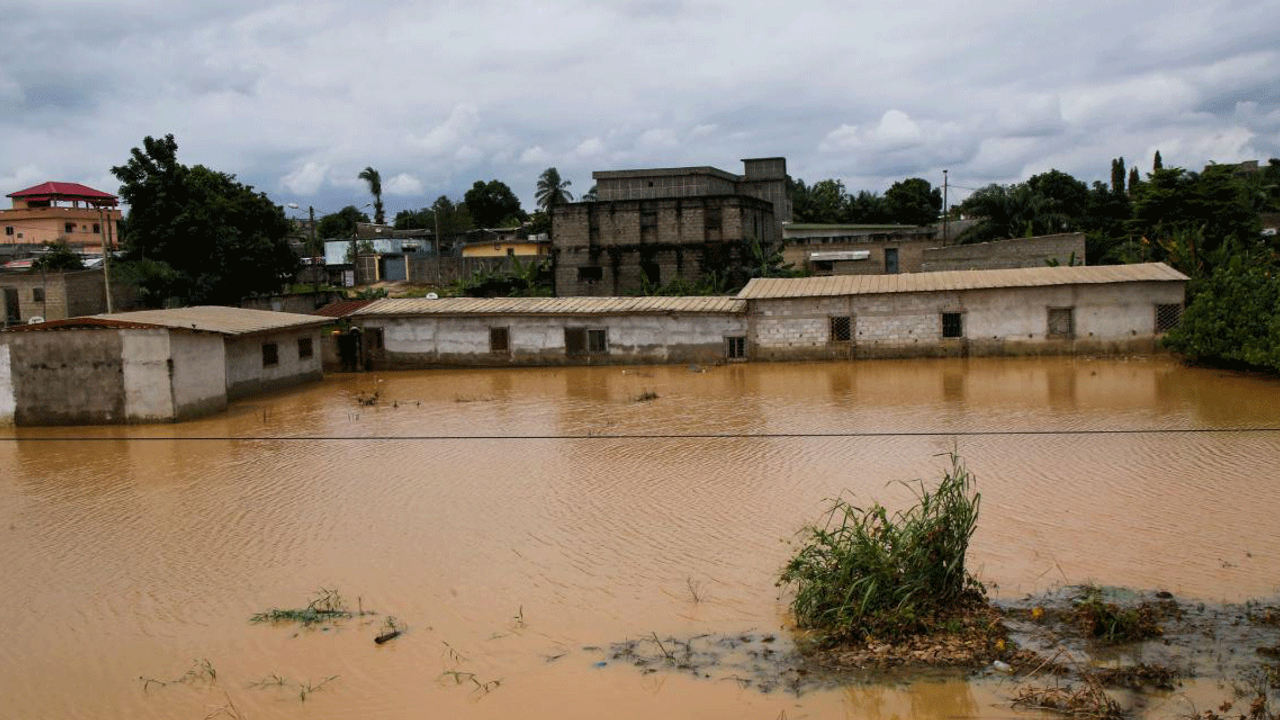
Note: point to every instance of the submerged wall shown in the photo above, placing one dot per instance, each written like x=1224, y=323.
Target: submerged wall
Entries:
x=1103, y=319
x=541, y=340
x=249, y=371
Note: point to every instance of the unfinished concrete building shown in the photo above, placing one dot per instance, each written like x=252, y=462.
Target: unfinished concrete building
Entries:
x=651, y=227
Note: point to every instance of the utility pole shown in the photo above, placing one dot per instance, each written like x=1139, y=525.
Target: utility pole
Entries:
x=106, y=255
x=946, y=209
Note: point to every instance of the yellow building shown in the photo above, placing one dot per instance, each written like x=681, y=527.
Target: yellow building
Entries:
x=85, y=218
x=500, y=246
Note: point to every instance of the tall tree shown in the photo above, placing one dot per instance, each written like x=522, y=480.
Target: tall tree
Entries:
x=205, y=238
x=913, y=202
x=374, y=179
x=492, y=204
x=551, y=189
x=1117, y=176
x=342, y=224
x=1134, y=181
x=1157, y=163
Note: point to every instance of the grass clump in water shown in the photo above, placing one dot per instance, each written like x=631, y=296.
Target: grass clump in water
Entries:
x=864, y=574
x=1111, y=623
x=326, y=605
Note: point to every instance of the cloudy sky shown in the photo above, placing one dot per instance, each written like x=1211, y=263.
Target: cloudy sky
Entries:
x=296, y=98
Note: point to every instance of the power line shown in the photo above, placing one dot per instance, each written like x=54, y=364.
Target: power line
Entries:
x=656, y=436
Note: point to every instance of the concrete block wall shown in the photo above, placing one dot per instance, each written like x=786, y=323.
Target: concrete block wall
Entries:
x=538, y=340
x=246, y=373
x=1111, y=318
x=70, y=378
x=1014, y=253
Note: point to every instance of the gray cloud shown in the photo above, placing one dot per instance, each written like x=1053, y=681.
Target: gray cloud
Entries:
x=297, y=98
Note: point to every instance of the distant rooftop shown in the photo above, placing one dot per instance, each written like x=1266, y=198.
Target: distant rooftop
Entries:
x=551, y=306
x=202, y=318
x=950, y=280
x=54, y=191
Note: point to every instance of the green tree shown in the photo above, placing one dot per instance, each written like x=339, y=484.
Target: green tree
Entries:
x=1157, y=162
x=590, y=195
x=913, y=202
x=374, y=179
x=58, y=256
x=342, y=224
x=1117, y=176
x=1134, y=181
x=552, y=190
x=1234, y=316
x=867, y=207
x=1064, y=199
x=207, y=238
x=491, y=204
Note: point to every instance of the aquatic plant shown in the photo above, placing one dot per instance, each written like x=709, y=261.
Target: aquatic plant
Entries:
x=864, y=574
x=326, y=605
x=1112, y=623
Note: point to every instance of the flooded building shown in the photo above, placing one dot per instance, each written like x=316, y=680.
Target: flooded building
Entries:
x=420, y=332
x=652, y=226
x=1046, y=310
x=152, y=365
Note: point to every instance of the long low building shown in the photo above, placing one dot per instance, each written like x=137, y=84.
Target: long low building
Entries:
x=1105, y=309
x=153, y=365
x=406, y=333
x=1046, y=310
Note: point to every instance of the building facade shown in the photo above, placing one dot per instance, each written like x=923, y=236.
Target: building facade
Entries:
x=1114, y=309
x=650, y=227
x=152, y=365
x=84, y=218
x=495, y=332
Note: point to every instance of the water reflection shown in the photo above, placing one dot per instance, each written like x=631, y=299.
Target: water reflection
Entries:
x=136, y=553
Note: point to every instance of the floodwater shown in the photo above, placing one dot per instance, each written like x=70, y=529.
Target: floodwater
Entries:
x=514, y=520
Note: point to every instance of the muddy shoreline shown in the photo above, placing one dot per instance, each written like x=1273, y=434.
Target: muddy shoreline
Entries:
x=1040, y=647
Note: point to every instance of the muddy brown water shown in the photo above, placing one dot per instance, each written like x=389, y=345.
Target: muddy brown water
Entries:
x=515, y=519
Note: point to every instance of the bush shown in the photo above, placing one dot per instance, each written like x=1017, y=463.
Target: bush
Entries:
x=864, y=574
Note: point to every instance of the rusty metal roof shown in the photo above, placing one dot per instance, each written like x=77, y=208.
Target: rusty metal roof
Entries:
x=551, y=306
x=203, y=318
x=766, y=288
x=341, y=308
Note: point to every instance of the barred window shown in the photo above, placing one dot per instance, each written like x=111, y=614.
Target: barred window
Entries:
x=270, y=354
x=841, y=328
x=1062, y=322
x=952, y=325
x=1167, y=317
x=499, y=340
x=736, y=348
x=597, y=341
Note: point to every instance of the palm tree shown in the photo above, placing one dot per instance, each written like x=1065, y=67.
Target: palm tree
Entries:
x=551, y=190
x=590, y=195
x=375, y=186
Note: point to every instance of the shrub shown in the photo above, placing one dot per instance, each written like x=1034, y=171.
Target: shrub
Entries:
x=865, y=574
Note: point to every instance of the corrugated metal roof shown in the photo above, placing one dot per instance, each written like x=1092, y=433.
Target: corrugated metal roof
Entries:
x=765, y=288
x=551, y=306
x=215, y=319
x=62, y=190
x=341, y=308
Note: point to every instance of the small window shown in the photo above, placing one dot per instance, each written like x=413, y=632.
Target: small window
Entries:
x=575, y=341
x=37, y=294
x=270, y=355
x=597, y=341
x=8, y=230
x=648, y=218
x=97, y=229
x=590, y=273
x=952, y=325
x=736, y=348
x=652, y=273
x=841, y=328
x=1062, y=322
x=70, y=227
x=1167, y=317
x=713, y=219
x=304, y=348
x=499, y=340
